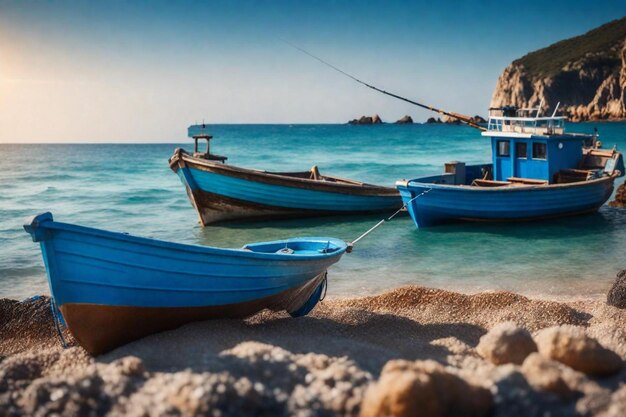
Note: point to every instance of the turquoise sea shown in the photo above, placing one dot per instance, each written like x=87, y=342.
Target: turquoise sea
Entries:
x=130, y=188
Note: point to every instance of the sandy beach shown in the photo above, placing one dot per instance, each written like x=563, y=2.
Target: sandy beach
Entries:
x=320, y=365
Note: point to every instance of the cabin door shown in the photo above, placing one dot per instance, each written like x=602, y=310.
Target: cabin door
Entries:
x=503, y=166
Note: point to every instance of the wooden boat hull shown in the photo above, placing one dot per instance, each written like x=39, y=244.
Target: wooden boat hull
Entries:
x=99, y=328
x=112, y=288
x=222, y=192
x=447, y=203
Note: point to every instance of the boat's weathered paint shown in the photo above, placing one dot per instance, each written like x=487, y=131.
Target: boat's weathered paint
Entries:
x=113, y=287
x=446, y=203
x=224, y=192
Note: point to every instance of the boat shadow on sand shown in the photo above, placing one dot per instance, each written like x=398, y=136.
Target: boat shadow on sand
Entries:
x=370, y=341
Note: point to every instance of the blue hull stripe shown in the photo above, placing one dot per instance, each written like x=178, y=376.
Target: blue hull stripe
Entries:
x=281, y=196
x=443, y=204
x=91, y=266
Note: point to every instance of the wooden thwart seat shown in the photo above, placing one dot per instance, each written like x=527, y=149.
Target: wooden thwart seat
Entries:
x=512, y=181
x=566, y=176
x=603, y=153
x=490, y=183
x=528, y=181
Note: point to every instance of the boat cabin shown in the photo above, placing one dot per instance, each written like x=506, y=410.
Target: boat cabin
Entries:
x=528, y=149
x=198, y=133
x=532, y=149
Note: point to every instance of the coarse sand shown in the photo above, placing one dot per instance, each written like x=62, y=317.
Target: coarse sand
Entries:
x=273, y=364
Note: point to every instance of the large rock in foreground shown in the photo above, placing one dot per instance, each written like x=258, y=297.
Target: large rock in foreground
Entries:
x=586, y=74
x=423, y=388
x=571, y=345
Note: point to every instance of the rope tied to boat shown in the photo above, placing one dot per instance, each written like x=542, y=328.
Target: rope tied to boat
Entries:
x=380, y=223
x=57, y=322
x=325, y=284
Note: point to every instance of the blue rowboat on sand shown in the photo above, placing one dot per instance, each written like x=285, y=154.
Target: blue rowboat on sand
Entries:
x=537, y=172
x=221, y=192
x=112, y=288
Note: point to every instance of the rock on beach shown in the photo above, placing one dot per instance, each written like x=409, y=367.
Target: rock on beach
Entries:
x=506, y=343
x=617, y=294
x=423, y=388
x=572, y=346
x=545, y=375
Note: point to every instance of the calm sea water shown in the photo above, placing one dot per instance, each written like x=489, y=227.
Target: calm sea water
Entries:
x=130, y=188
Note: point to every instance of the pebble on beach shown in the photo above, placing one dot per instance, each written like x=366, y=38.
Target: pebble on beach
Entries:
x=506, y=343
x=572, y=346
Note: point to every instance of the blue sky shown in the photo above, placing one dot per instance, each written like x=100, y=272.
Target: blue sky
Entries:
x=142, y=71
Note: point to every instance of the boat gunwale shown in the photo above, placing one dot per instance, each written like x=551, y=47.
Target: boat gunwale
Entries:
x=277, y=178
x=186, y=247
x=165, y=269
x=505, y=188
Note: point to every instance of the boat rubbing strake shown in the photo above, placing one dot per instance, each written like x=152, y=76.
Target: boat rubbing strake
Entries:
x=112, y=288
x=222, y=192
x=538, y=171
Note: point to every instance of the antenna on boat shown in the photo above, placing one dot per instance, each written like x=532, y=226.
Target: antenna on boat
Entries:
x=465, y=119
x=539, y=108
x=556, y=108
x=380, y=223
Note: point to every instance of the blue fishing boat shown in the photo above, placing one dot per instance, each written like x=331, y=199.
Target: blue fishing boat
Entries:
x=538, y=171
x=112, y=288
x=220, y=192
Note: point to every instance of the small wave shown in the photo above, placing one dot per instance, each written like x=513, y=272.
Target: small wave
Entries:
x=47, y=177
x=145, y=199
x=48, y=190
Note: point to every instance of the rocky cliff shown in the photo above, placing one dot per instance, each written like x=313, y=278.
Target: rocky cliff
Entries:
x=586, y=74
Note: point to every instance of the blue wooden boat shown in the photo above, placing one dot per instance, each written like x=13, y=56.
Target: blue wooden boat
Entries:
x=538, y=171
x=112, y=288
x=220, y=192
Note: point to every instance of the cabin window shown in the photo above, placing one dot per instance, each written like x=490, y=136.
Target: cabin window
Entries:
x=539, y=150
x=521, y=150
x=504, y=148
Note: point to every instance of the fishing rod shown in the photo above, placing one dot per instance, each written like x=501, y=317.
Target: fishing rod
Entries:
x=465, y=119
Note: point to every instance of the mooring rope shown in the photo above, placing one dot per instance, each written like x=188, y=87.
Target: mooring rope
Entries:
x=57, y=323
x=380, y=223
x=325, y=283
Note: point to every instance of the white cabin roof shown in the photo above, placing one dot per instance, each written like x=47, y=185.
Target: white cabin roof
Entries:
x=524, y=126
